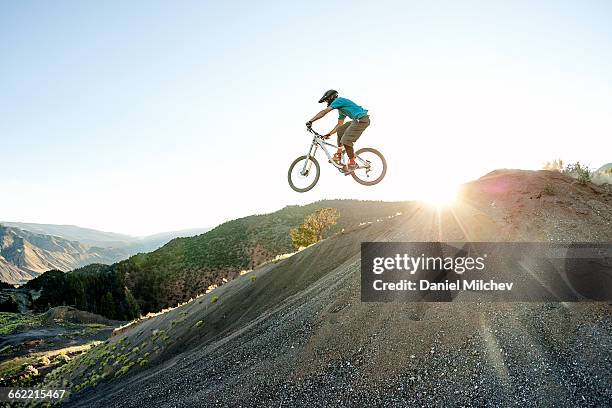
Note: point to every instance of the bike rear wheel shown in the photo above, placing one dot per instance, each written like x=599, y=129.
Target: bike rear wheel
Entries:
x=302, y=181
x=372, y=166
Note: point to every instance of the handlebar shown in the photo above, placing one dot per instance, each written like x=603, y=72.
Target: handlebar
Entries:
x=311, y=130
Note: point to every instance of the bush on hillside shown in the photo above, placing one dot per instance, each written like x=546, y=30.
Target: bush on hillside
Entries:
x=578, y=171
x=314, y=226
x=555, y=165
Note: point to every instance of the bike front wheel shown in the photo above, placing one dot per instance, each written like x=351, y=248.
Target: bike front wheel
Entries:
x=371, y=166
x=304, y=173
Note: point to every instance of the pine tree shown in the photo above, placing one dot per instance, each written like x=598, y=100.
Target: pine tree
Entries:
x=107, y=308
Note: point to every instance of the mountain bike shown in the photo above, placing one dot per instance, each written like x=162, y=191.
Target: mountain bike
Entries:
x=304, y=172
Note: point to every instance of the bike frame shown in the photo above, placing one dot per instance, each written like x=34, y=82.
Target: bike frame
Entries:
x=318, y=141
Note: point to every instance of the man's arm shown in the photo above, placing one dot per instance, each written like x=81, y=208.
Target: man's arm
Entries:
x=340, y=123
x=319, y=115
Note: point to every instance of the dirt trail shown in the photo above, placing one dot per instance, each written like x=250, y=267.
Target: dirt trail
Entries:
x=298, y=335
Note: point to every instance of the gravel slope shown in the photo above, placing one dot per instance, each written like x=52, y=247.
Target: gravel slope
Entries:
x=298, y=334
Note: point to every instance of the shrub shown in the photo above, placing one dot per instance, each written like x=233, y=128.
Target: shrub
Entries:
x=548, y=189
x=214, y=299
x=123, y=370
x=200, y=323
x=31, y=370
x=578, y=171
x=62, y=358
x=302, y=237
x=158, y=333
x=555, y=165
x=44, y=360
x=314, y=226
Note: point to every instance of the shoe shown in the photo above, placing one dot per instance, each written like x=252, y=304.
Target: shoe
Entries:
x=337, y=158
x=349, y=168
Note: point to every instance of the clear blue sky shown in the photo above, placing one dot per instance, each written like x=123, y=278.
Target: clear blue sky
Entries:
x=139, y=117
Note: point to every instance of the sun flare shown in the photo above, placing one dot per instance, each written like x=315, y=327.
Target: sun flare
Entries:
x=439, y=195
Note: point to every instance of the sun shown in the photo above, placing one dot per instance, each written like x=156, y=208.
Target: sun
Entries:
x=438, y=194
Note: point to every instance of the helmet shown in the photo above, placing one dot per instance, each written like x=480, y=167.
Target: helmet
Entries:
x=329, y=96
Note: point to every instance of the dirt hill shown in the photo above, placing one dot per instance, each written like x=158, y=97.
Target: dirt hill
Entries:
x=295, y=333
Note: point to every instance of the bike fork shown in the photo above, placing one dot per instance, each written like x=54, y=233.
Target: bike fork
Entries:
x=308, y=162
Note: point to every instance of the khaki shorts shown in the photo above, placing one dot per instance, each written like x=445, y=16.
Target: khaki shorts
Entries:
x=349, y=132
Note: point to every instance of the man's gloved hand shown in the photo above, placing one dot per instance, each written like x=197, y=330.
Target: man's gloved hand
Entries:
x=326, y=136
x=309, y=124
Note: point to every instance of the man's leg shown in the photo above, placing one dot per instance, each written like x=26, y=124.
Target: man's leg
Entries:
x=350, y=136
x=350, y=152
x=341, y=130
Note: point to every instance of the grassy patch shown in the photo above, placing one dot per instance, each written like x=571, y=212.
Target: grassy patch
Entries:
x=15, y=366
x=124, y=370
x=548, y=189
x=25, y=371
x=14, y=322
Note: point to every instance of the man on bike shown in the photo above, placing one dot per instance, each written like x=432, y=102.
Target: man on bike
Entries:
x=349, y=132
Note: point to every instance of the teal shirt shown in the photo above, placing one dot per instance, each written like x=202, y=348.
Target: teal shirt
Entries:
x=346, y=107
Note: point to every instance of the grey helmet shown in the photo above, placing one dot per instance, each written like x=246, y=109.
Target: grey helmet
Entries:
x=329, y=96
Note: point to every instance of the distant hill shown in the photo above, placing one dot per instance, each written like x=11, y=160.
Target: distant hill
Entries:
x=27, y=250
x=86, y=236
x=603, y=175
x=152, y=242
x=186, y=267
x=25, y=255
x=606, y=168
x=103, y=239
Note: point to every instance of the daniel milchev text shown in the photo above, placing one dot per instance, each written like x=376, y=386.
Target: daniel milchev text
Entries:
x=413, y=264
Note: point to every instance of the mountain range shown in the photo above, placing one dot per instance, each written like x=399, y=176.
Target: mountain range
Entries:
x=27, y=250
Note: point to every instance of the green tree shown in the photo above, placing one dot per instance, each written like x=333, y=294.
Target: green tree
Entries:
x=107, y=306
x=313, y=227
x=302, y=237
